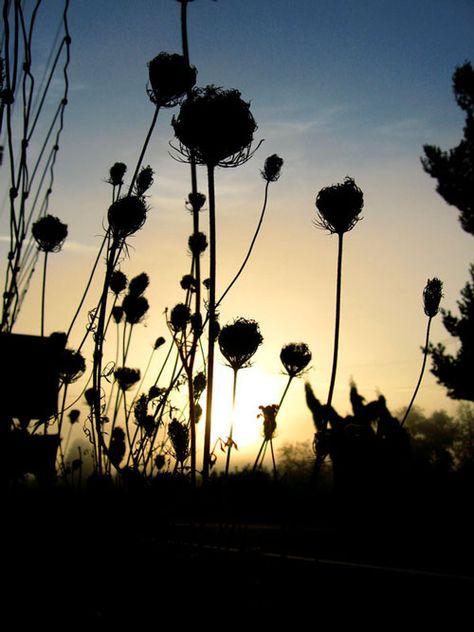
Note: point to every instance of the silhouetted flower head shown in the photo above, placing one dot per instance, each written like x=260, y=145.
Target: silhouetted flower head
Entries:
x=339, y=206
x=295, y=357
x=179, y=435
x=144, y=181
x=117, y=447
x=196, y=323
x=170, y=79
x=135, y=308
x=89, y=395
x=118, y=282
x=126, y=216
x=155, y=391
x=238, y=342
x=116, y=173
x=180, y=317
x=199, y=383
x=272, y=168
x=160, y=461
x=117, y=313
x=432, y=295
x=217, y=126
x=126, y=377
x=74, y=415
x=140, y=410
x=197, y=243
x=269, y=414
x=159, y=342
x=207, y=283
x=195, y=201
x=188, y=282
x=71, y=366
x=49, y=233
x=138, y=284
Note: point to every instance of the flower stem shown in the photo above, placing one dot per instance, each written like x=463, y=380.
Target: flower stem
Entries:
x=144, y=148
x=425, y=357
x=231, y=431
x=337, y=325
x=43, y=292
x=252, y=243
x=212, y=319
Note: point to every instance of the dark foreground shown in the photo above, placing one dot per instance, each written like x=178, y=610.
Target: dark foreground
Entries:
x=247, y=556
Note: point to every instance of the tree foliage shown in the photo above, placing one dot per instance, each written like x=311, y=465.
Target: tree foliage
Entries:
x=454, y=169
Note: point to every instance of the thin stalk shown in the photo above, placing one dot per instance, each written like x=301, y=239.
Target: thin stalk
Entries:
x=231, y=432
x=144, y=148
x=337, y=323
x=212, y=319
x=43, y=292
x=252, y=243
x=425, y=357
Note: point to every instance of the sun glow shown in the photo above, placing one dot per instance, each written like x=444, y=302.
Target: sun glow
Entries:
x=254, y=388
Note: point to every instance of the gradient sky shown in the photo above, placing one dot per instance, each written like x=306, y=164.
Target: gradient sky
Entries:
x=340, y=87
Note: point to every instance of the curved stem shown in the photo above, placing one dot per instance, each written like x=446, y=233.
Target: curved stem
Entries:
x=337, y=325
x=212, y=319
x=43, y=292
x=252, y=243
x=231, y=431
x=425, y=357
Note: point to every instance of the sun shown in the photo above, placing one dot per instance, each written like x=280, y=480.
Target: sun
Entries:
x=254, y=388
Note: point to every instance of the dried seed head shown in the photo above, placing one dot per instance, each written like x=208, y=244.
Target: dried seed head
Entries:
x=272, y=168
x=269, y=414
x=171, y=78
x=432, y=295
x=135, y=308
x=49, y=233
x=138, y=284
x=144, y=181
x=118, y=282
x=339, y=207
x=74, y=415
x=179, y=435
x=295, y=357
x=215, y=125
x=126, y=216
x=159, y=342
x=188, y=282
x=126, y=377
x=71, y=366
x=199, y=383
x=197, y=243
x=117, y=313
x=196, y=201
x=116, y=173
x=160, y=461
x=238, y=342
x=180, y=317
x=89, y=396
x=117, y=446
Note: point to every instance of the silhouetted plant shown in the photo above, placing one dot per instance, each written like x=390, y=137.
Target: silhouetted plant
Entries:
x=238, y=342
x=179, y=436
x=50, y=234
x=339, y=207
x=118, y=282
x=171, y=78
x=126, y=216
x=432, y=295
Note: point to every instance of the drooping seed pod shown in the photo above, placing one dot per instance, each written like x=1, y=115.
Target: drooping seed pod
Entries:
x=49, y=233
x=432, y=295
x=171, y=78
x=238, y=342
x=159, y=342
x=216, y=126
x=295, y=357
x=339, y=207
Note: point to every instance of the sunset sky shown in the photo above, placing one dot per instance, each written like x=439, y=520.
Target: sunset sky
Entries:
x=338, y=88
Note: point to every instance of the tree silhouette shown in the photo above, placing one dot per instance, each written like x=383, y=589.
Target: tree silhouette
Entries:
x=454, y=171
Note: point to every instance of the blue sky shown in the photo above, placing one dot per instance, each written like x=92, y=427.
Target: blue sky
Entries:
x=341, y=87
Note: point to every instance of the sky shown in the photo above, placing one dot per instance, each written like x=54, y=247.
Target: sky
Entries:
x=338, y=88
